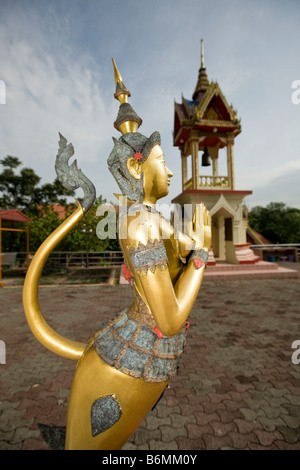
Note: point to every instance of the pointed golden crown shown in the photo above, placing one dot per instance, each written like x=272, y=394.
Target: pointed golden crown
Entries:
x=127, y=120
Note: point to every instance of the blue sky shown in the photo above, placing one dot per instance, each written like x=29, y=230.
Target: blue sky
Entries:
x=55, y=60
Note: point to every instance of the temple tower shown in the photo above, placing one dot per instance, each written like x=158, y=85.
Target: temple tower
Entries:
x=207, y=123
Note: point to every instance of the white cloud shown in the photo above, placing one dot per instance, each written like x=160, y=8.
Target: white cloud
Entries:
x=284, y=188
x=42, y=100
x=266, y=177
x=56, y=63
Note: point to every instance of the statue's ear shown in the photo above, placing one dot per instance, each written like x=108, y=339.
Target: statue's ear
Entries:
x=134, y=168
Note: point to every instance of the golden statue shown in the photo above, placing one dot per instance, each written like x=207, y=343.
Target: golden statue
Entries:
x=124, y=368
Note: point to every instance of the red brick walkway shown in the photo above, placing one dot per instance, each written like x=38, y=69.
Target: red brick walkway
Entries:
x=236, y=388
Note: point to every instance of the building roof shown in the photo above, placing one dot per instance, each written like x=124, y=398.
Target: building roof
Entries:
x=208, y=111
x=14, y=215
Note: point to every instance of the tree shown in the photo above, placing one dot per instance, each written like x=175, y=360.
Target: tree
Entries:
x=22, y=191
x=55, y=193
x=84, y=235
x=17, y=191
x=41, y=226
x=276, y=222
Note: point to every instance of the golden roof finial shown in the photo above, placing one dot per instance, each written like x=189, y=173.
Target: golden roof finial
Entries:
x=127, y=120
x=202, y=55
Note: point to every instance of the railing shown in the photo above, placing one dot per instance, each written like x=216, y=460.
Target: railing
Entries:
x=104, y=259
x=290, y=251
x=279, y=245
x=209, y=182
x=8, y=259
x=76, y=259
x=213, y=181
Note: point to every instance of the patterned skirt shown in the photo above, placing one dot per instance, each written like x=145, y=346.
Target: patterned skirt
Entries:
x=133, y=348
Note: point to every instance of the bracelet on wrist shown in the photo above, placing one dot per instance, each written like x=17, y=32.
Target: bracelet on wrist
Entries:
x=199, y=258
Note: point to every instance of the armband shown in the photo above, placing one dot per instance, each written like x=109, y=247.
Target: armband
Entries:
x=149, y=257
x=199, y=258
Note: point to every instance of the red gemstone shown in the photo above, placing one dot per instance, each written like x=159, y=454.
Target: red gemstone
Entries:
x=158, y=332
x=126, y=273
x=198, y=263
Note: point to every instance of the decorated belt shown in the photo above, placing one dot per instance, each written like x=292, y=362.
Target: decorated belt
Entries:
x=135, y=349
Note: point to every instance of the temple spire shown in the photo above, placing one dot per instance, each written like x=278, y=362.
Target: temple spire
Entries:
x=203, y=82
x=202, y=55
x=127, y=120
x=121, y=93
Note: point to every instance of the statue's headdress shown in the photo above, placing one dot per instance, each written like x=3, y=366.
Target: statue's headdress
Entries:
x=130, y=144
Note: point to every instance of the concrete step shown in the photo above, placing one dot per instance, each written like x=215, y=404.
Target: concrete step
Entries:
x=261, y=270
x=265, y=265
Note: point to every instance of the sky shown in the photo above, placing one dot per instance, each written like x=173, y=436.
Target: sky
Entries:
x=56, y=75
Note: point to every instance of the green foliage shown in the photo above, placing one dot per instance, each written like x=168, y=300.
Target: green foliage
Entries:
x=84, y=235
x=276, y=222
x=17, y=190
x=42, y=224
x=22, y=191
x=13, y=241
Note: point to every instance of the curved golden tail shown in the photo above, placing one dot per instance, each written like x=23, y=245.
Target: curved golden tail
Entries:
x=38, y=325
x=71, y=178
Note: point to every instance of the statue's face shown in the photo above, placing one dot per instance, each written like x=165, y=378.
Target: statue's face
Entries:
x=156, y=175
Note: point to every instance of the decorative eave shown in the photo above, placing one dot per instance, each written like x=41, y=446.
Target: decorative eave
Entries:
x=190, y=115
x=216, y=128
x=181, y=124
x=180, y=111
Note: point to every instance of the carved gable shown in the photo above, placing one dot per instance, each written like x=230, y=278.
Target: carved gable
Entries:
x=214, y=106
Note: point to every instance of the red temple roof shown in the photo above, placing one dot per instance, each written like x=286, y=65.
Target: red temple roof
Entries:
x=14, y=215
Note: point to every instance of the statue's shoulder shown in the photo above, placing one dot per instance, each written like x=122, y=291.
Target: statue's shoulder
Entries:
x=140, y=225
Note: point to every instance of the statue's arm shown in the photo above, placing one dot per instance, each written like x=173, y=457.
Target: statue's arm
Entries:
x=170, y=304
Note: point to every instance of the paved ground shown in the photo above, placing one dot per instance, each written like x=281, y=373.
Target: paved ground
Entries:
x=237, y=387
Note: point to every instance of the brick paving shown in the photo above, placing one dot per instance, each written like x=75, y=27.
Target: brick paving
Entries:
x=236, y=388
